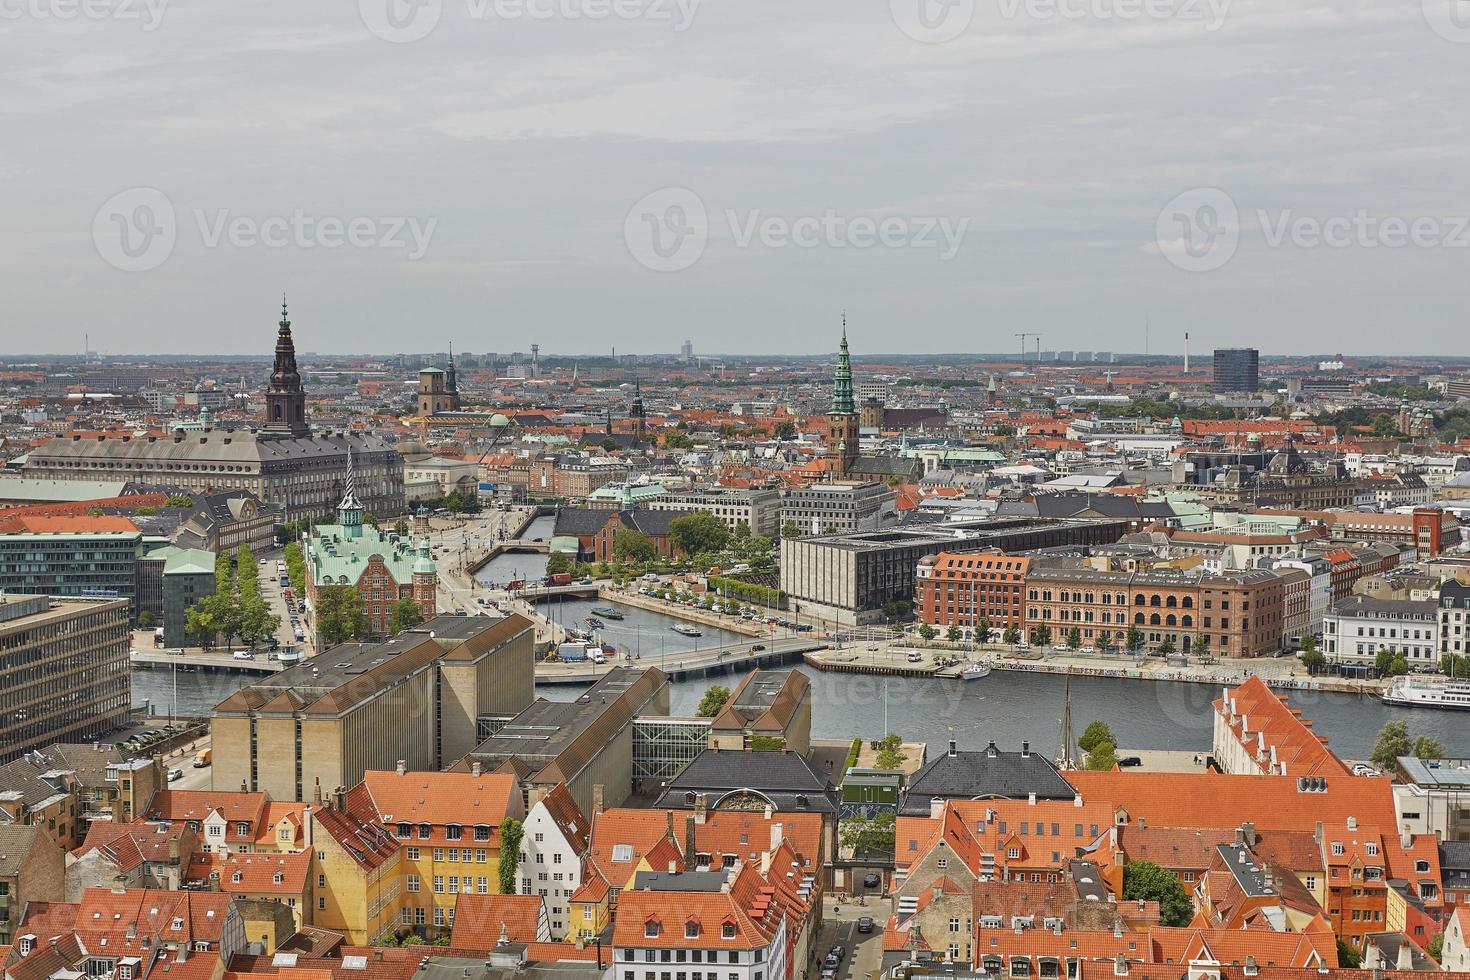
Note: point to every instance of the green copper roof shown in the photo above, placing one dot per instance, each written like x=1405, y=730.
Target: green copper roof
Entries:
x=334, y=553
x=842, y=403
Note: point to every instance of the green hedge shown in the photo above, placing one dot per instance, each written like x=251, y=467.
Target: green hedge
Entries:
x=852, y=755
x=749, y=591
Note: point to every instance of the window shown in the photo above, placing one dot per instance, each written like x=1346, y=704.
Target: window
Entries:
x=413, y=853
x=424, y=831
x=691, y=929
x=413, y=883
x=727, y=930
x=321, y=902
x=651, y=929
x=1013, y=853
x=622, y=852
x=453, y=832
x=482, y=832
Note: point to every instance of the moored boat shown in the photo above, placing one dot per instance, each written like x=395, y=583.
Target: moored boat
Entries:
x=1423, y=692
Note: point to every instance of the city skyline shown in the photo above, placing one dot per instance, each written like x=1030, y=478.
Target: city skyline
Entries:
x=1068, y=175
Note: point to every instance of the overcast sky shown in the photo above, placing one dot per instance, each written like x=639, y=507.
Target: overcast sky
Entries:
x=496, y=172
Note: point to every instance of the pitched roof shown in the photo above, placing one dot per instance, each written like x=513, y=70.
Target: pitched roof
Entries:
x=988, y=773
x=435, y=798
x=479, y=919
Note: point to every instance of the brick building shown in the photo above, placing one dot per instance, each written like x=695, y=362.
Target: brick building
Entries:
x=960, y=588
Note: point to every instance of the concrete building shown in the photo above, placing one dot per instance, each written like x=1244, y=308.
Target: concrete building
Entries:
x=72, y=556
x=362, y=706
x=170, y=580
x=587, y=744
x=66, y=671
x=1431, y=800
x=1357, y=627
x=838, y=508
x=758, y=510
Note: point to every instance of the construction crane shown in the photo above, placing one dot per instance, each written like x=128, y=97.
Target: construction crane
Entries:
x=1023, y=337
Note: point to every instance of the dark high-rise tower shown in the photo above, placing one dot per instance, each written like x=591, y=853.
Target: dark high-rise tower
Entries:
x=285, y=402
x=842, y=420
x=1237, y=369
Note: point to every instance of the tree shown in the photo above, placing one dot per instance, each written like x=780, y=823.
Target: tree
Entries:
x=1041, y=635
x=559, y=563
x=1436, y=947
x=1095, y=733
x=1105, y=640
x=869, y=835
x=1347, y=957
x=400, y=528
x=1312, y=658
x=296, y=566
x=1166, y=646
x=1428, y=748
x=511, y=833
x=677, y=440
x=790, y=530
x=983, y=627
x=1102, y=758
x=1454, y=665
x=1393, y=741
x=713, y=702
x=341, y=614
x=953, y=634
x=1074, y=638
x=786, y=429
x=405, y=615
x=890, y=752
x=1147, y=881
x=927, y=632
x=146, y=619
x=1135, y=639
x=1202, y=645
x=1012, y=635
x=631, y=545
x=699, y=533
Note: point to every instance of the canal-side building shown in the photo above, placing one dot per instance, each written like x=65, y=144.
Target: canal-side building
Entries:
x=852, y=577
x=758, y=510
x=381, y=565
x=1358, y=627
x=66, y=671
x=962, y=588
x=359, y=706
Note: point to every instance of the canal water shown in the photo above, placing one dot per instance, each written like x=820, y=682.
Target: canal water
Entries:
x=526, y=567
x=1007, y=706
x=642, y=631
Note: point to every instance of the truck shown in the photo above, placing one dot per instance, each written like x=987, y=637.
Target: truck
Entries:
x=203, y=758
x=560, y=578
x=573, y=652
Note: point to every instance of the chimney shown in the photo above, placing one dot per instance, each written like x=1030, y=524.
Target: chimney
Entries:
x=597, y=798
x=341, y=797
x=691, y=845
x=316, y=793
x=769, y=810
x=936, y=808
x=401, y=768
x=1406, y=957
x=701, y=808
x=476, y=768
x=1249, y=830
x=306, y=825
x=776, y=835
x=1030, y=799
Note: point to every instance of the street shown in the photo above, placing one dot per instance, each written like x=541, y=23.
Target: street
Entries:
x=863, y=952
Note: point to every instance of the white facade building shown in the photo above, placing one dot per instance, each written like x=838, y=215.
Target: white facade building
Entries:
x=1356, y=628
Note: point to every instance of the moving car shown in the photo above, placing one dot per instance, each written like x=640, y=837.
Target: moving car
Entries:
x=174, y=774
x=865, y=923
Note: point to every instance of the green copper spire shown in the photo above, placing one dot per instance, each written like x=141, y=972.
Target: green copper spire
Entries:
x=842, y=403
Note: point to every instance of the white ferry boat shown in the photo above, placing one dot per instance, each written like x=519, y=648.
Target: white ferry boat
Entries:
x=1422, y=692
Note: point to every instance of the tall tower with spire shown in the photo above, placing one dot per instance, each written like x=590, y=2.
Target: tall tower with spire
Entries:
x=285, y=402
x=349, y=511
x=451, y=384
x=842, y=420
x=636, y=411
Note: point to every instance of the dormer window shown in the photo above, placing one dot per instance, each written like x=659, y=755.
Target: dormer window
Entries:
x=278, y=877
x=424, y=831
x=651, y=928
x=236, y=877
x=405, y=831
x=454, y=831
x=482, y=831
x=178, y=922
x=27, y=943
x=242, y=829
x=727, y=930
x=691, y=929
x=1337, y=848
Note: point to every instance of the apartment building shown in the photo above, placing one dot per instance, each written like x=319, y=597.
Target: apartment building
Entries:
x=66, y=671
x=32, y=869
x=838, y=508
x=552, y=848
x=962, y=588
x=1358, y=627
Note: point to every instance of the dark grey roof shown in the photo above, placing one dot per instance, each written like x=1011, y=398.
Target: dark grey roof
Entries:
x=1454, y=864
x=576, y=521
x=965, y=775
x=685, y=881
x=784, y=778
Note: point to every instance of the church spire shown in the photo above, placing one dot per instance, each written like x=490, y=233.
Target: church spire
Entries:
x=842, y=403
x=349, y=511
x=284, y=400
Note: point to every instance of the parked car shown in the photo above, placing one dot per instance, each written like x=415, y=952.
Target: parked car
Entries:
x=915, y=657
x=1363, y=769
x=1061, y=648
x=1088, y=649
x=757, y=648
x=243, y=655
x=872, y=879
x=1129, y=761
